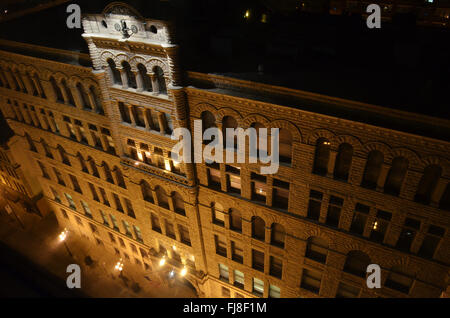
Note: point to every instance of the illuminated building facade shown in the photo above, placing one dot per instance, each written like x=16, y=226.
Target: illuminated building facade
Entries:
x=351, y=190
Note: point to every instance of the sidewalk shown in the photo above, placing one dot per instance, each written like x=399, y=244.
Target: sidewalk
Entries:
x=39, y=242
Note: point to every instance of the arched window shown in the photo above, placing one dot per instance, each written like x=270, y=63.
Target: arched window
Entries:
x=399, y=280
x=147, y=193
x=258, y=228
x=372, y=170
x=159, y=73
x=321, y=157
x=119, y=178
x=228, y=122
x=82, y=163
x=146, y=81
x=114, y=73
x=93, y=167
x=47, y=151
x=317, y=249
x=428, y=183
x=63, y=155
x=107, y=172
x=96, y=99
x=235, y=220
x=278, y=235
x=56, y=90
x=396, y=176
x=343, y=162
x=84, y=98
x=161, y=195
x=285, y=146
x=356, y=263
x=130, y=76
x=68, y=92
x=30, y=142
x=208, y=120
x=444, y=202
x=178, y=203
x=259, y=139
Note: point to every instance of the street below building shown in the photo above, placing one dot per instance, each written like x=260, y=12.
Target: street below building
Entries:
x=33, y=263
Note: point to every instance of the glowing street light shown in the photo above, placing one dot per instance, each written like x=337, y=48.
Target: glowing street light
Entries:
x=162, y=261
x=62, y=238
x=119, y=267
x=172, y=273
x=183, y=271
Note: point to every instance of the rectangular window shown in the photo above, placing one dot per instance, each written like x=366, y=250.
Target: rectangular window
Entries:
x=78, y=220
x=274, y=292
x=122, y=243
x=59, y=177
x=93, y=192
x=214, y=177
x=105, y=219
x=155, y=223
x=347, y=291
x=170, y=232
x=234, y=183
x=258, y=287
x=218, y=216
x=311, y=280
x=184, y=235
x=75, y=184
x=55, y=195
x=359, y=218
x=43, y=170
x=130, y=210
x=104, y=196
x=315, y=203
x=64, y=213
x=259, y=187
x=258, y=260
x=127, y=228
x=112, y=238
x=276, y=267
x=114, y=222
x=137, y=233
x=237, y=253
x=93, y=228
x=70, y=201
x=280, y=197
x=223, y=272
x=380, y=226
x=86, y=209
x=221, y=245
x=408, y=234
x=119, y=206
x=238, y=279
x=334, y=211
x=431, y=241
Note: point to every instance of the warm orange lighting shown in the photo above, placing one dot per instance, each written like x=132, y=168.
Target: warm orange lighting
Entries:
x=63, y=235
x=183, y=271
x=119, y=266
x=162, y=261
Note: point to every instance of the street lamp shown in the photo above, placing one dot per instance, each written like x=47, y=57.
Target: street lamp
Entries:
x=183, y=271
x=162, y=261
x=62, y=238
x=119, y=267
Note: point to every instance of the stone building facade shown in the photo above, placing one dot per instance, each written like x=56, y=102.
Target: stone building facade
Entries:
x=347, y=194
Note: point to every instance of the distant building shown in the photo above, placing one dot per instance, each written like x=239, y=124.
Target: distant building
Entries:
x=358, y=184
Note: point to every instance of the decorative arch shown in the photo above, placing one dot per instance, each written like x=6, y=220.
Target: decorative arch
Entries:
x=293, y=129
x=202, y=107
x=221, y=113
x=411, y=156
x=157, y=62
x=348, y=139
x=320, y=133
x=256, y=118
x=376, y=145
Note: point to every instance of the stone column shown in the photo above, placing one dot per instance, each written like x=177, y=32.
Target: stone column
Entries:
x=162, y=123
x=139, y=81
x=130, y=111
x=155, y=84
x=438, y=192
x=124, y=77
x=28, y=84
x=146, y=121
x=324, y=208
x=92, y=101
x=38, y=87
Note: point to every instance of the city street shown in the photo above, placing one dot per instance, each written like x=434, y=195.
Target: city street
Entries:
x=36, y=242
